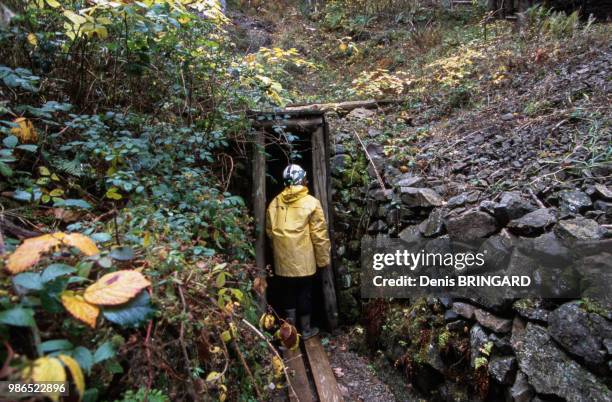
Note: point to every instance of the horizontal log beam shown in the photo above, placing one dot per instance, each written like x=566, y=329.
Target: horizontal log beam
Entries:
x=343, y=106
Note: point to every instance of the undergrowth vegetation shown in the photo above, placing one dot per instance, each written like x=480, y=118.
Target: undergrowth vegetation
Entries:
x=116, y=121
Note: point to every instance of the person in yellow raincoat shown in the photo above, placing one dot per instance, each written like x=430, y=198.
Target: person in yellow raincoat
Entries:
x=296, y=225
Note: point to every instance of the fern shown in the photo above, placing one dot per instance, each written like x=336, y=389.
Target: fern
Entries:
x=72, y=167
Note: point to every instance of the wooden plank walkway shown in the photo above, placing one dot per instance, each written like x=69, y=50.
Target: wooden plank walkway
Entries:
x=321, y=370
x=299, y=379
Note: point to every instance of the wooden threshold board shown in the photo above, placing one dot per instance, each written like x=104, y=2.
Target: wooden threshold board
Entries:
x=324, y=378
x=299, y=380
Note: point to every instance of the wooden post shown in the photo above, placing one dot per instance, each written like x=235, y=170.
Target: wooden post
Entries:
x=259, y=205
x=320, y=183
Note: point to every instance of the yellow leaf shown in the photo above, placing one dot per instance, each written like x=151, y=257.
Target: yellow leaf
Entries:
x=56, y=192
x=25, y=130
x=113, y=194
x=44, y=171
x=278, y=367
x=79, y=308
x=32, y=39
x=29, y=253
x=75, y=18
x=76, y=372
x=226, y=336
x=45, y=369
x=82, y=242
x=116, y=288
x=53, y=3
x=213, y=376
x=343, y=47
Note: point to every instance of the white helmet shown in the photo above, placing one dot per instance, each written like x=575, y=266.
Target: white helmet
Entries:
x=294, y=175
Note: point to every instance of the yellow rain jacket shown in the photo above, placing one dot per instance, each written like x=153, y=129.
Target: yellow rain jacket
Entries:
x=296, y=225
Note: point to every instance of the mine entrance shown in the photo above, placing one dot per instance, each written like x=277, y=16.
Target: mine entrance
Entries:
x=283, y=138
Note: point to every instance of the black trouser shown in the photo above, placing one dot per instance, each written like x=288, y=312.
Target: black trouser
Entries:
x=296, y=293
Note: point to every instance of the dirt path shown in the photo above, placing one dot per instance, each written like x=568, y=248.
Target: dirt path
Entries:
x=356, y=376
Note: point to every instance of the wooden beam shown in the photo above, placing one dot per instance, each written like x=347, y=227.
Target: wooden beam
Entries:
x=290, y=122
x=320, y=184
x=324, y=378
x=298, y=378
x=344, y=106
x=259, y=205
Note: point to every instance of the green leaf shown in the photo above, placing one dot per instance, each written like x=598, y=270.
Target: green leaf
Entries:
x=220, y=280
x=101, y=237
x=104, y=352
x=56, y=270
x=56, y=344
x=132, y=313
x=10, y=142
x=123, y=253
x=18, y=317
x=72, y=202
x=28, y=147
x=84, y=357
x=5, y=170
x=28, y=280
x=53, y=3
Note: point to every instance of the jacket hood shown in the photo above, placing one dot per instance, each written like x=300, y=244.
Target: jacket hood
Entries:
x=293, y=193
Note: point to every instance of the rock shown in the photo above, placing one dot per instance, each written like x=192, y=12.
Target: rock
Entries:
x=420, y=197
x=339, y=163
x=380, y=194
x=603, y=191
x=512, y=205
x=501, y=343
x=488, y=206
x=433, y=358
x=458, y=325
x=478, y=338
x=495, y=324
x=411, y=234
x=579, y=229
x=408, y=180
x=464, y=310
x=497, y=250
x=507, y=117
x=470, y=225
x=450, y=315
x=551, y=371
x=457, y=201
x=531, y=309
x=503, y=369
x=377, y=227
x=548, y=248
x=534, y=223
x=579, y=332
x=434, y=225
x=605, y=207
x=360, y=114
x=573, y=201
x=521, y=391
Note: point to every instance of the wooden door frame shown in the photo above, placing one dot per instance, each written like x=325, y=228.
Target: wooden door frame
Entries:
x=319, y=138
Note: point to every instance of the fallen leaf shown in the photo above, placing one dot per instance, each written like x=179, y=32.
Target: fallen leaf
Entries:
x=338, y=372
x=82, y=242
x=116, y=288
x=31, y=250
x=25, y=130
x=79, y=308
x=45, y=369
x=75, y=372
